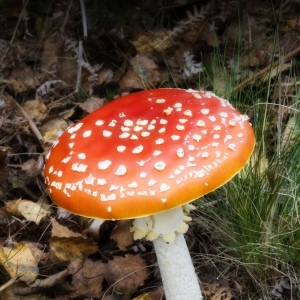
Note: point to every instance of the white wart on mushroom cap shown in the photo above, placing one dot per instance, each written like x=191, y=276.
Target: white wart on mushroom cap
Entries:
x=147, y=152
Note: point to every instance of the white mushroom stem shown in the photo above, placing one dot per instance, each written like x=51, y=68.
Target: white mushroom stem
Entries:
x=176, y=268
x=166, y=230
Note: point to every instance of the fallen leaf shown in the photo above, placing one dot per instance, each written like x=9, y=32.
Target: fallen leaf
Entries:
x=122, y=235
x=66, y=245
x=87, y=278
x=92, y=103
x=17, y=259
x=52, y=129
x=36, y=109
x=27, y=209
x=126, y=274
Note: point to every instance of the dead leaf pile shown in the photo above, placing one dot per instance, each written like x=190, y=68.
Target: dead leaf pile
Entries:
x=52, y=75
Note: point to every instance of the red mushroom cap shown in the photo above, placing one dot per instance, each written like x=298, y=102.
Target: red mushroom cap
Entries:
x=147, y=152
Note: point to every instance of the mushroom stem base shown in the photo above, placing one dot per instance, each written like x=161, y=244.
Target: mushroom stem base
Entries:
x=177, y=271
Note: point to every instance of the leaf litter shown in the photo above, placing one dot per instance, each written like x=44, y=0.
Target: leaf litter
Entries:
x=50, y=256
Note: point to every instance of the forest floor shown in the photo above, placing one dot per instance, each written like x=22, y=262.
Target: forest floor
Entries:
x=61, y=60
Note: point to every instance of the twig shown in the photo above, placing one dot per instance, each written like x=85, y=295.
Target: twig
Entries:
x=66, y=17
x=9, y=282
x=84, y=22
x=263, y=71
x=25, y=116
x=78, y=81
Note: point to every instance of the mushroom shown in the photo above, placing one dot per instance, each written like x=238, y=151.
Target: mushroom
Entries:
x=145, y=156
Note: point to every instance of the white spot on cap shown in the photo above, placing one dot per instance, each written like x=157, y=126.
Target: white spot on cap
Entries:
x=124, y=129
x=215, y=144
x=232, y=147
x=75, y=128
x=205, y=111
x=156, y=153
x=79, y=167
x=212, y=118
x=183, y=121
x=159, y=141
x=224, y=114
x=134, y=137
x=177, y=105
x=143, y=175
x=81, y=156
x=87, y=133
x=164, y=187
x=122, y=115
x=72, y=137
x=232, y=123
x=109, y=208
x=121, y=170
x=163, y=121
x=151, y=182
x=160, y=101
x=138, y=149
x=51, y=169
x=71, y=145
x=141, y=163
x=175, y=137
x=137, y=128
x=90, y=179
x=227, y=138
x=191, y=147
x=163, y=200
x=179, y=127
x=141, y=122
x=162, y=130
x=133, y=185
x=66, y=159
x=200, y=123
x=160, y=165
x=112, y=123
x=110, y=197
x=204, y=154
x=103, y=165
x=188, y=113
x=101, y=181
x=128, y=123
x=99, y=122
x=145, y=133
x=121, y=148
x=180, y=152
x=107, y=133
x=168, y=111
x=151, y=127
x=217, y=127
x=124, y=135
x=196, y=137
x=218, y=154
x=216, y=136
x=240, y=135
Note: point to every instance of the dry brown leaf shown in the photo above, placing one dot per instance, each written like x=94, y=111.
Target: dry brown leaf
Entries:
x=22, y=78
x=87, y=278
x=92, y=103
x=126, y=274
x=143, y=72
x=27, y=209
x=17, y=259
x=52, y=129
x=158, y=39
x=66, y=245
x=122, y=235
x=36, y=109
